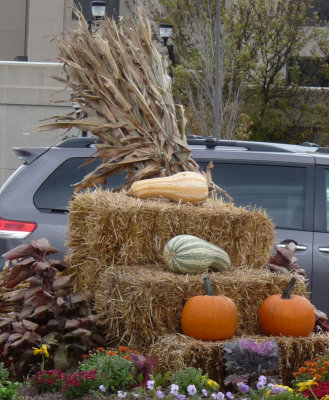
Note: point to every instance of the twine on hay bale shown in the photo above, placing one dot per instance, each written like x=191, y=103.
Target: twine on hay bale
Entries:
x=176, y=351
x=138, y=304
x=107, y=228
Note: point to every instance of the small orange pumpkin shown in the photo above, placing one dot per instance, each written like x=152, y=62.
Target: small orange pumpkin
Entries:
x=209, y=317
x=286, y=314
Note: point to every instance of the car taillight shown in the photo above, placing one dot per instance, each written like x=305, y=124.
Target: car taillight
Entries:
x=10, y=229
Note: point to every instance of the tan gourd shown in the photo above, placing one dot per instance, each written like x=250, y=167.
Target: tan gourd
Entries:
x=185, y=187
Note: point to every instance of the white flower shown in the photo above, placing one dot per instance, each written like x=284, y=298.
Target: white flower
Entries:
x=102, y=388
x=191, y=389
x=260, y=385
x=204, y=392
x=174, y=389
x=262, y=379
x=121, y=394
x=150, y=385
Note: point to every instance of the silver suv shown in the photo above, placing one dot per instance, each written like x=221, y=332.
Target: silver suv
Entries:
x=291, y=182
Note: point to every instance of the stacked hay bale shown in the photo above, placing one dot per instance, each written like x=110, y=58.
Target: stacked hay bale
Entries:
x=115, y=250
x=107, y=228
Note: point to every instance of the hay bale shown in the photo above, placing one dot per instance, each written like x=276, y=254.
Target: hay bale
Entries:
x=138, y=304
x=107, y=228
x=176, y=351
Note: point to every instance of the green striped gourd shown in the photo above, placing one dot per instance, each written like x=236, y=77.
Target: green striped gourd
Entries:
x=188, y=254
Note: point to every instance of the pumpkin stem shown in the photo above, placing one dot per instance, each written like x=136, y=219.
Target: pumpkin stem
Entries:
x=287, y=291
x=207, y=286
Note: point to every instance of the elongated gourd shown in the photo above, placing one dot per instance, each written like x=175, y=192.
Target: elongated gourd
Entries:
x=188, y=254
x=185, y=187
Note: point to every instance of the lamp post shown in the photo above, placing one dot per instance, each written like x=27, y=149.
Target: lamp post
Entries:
x=166, y=32
x=79, y=115
x=98, y=10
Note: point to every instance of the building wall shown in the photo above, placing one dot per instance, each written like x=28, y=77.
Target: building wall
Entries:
x=46, y=19
x=28, y=26
x=27, y=92
x=12, y=28
x=27, y=96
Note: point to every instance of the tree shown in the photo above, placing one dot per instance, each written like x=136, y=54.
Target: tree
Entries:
x=257, y=39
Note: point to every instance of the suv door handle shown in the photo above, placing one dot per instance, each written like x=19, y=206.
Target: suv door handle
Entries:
x=324, y=249
x=299, y=247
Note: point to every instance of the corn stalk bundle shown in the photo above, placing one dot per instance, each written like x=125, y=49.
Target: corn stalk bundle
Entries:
x=119, y=80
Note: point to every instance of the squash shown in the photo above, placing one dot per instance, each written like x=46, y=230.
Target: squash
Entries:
x=186, y=187
x=188, y=254
x=209, y=317
x=286, y=314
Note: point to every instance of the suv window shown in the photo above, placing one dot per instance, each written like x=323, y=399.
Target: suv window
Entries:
x=280, y=190
x=56, y=191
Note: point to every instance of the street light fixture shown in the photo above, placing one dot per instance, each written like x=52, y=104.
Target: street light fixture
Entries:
x=98, y=9
x=166, y=32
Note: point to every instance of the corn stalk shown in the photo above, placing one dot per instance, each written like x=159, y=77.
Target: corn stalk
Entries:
x=119, y=80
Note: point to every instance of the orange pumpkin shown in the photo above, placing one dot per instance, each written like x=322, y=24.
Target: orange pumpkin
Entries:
x=286, y=314
x=209, y=317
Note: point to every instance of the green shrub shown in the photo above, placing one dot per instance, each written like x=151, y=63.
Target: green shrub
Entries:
x=192, y=376
x=117, y=372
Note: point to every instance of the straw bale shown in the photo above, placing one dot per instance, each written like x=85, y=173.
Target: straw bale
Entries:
x=107, y=228
x=176, y=351
x=138, y=304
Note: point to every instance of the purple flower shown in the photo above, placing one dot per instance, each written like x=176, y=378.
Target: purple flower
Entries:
x=204, y=393
x=262, y=379
x=174, y=389
x=220, y=396
x=263, y=348
x=260, y=385
x=247, y=344
x=243, y=387
x=267, y=347
x=181, y=397
x=150, y=385
x=229, y=395
x=191, y=389
x=277, y=389
x=102, y=388
x=160, y=395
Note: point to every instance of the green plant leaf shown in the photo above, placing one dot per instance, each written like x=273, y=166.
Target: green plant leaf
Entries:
x=51, y=339
x=61, y=360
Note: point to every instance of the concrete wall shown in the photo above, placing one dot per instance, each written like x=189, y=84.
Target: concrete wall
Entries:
x=12, y=28
x=28, y=26
x=27, y=95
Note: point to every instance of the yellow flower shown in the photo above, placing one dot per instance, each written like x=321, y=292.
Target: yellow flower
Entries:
x=326, y=397
x=306, y=385
x=43, y=350
x=273, y=391
x=212, y=383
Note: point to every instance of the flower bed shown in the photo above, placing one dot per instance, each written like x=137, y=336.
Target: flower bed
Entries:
x=126, y=374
